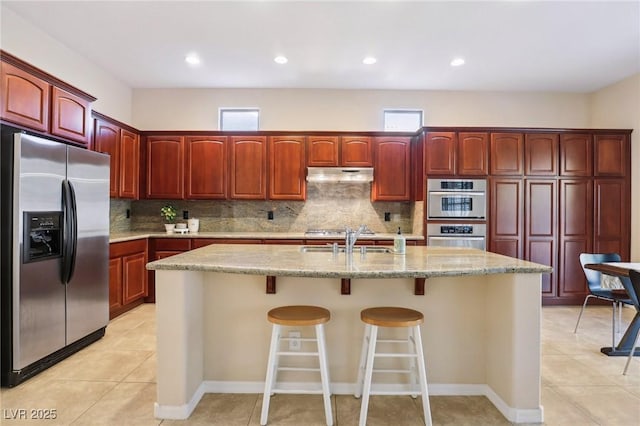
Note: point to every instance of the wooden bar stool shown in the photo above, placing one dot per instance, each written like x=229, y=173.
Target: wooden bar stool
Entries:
x=297, y=316
x=392, y=317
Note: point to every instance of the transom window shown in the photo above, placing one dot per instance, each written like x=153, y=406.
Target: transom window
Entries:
x=239, y=119
x=402, y=119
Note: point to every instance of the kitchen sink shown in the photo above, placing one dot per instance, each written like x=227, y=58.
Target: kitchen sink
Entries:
x=341, y=249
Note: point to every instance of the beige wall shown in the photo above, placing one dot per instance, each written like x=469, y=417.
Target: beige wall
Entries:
x=618, y=106
x=347, y=110
x=30, y=44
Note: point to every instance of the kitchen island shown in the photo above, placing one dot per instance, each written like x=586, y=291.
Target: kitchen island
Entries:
x=481, y=333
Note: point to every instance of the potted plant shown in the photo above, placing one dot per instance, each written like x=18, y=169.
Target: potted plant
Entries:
x=168, y=212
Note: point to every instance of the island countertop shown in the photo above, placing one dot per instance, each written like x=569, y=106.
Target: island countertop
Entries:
x=281, y=260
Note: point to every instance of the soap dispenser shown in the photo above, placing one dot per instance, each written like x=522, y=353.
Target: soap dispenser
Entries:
x=399, y=243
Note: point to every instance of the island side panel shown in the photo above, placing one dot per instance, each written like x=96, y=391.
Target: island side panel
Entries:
x=237, y=331
x=513, y=343
x=179, y=315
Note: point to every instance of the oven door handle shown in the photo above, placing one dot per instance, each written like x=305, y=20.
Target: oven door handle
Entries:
x=457, y=237
x=458, y=194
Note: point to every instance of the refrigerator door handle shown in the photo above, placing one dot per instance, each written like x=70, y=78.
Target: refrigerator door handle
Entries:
x=70, y=231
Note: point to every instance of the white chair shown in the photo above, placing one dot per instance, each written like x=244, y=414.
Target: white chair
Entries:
x=297, y=316
x=392, y=317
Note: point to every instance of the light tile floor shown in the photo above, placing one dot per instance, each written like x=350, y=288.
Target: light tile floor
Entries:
x=112, y=382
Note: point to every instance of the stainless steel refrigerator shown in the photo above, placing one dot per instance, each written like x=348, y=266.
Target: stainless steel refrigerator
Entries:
x=54, y=252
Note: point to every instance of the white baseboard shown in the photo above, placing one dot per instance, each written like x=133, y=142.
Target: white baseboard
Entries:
x=515, y=415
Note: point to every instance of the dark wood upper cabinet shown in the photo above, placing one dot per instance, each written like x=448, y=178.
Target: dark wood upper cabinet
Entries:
x=248, y=167
x=392, y=170
x=541, y=154
x=322, y=151
x=24, y=97
x=287, y=168
x=506, y=154
x=165, y=167
x=473, y=154
x=206, y=167
x=70, y=116
x=129, y=165
x=576, y=154
x=611, y=155
x=356, y=151
x=106, y=139
x=440, y=153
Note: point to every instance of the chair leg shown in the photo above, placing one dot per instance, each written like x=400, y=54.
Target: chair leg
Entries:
x=271, y=373
x=413, y=377
x=633, y=350
x=613, y=326
x=364, y=405
x=426, y=406
x=324, y=374
x=575, y=330
x=363, y=357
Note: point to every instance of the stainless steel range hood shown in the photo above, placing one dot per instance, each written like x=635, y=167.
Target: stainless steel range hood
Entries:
x=340, y=174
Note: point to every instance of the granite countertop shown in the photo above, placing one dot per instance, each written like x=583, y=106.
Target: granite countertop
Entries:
x=289, y=260
x=133, y=235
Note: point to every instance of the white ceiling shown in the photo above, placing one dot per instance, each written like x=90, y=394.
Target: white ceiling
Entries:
x=511, y=45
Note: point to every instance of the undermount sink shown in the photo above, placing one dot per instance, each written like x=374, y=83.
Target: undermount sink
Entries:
x=341, y=249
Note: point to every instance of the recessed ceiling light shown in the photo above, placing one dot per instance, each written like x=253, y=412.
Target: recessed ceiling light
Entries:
x=369, y=60
x=192, y=59
x=280, y=60
x=457, y=62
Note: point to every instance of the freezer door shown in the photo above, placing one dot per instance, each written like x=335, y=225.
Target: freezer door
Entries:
x=38, y=305
x=88, y=289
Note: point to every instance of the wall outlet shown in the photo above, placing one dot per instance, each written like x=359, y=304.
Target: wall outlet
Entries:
x=270, y=215
x=185, y=214
x=387, y=216
x=294, y=341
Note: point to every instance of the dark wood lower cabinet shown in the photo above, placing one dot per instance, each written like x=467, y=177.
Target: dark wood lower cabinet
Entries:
x=505, y=213
x=128, y=276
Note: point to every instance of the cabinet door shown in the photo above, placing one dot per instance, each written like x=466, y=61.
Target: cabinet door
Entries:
x=106, y=139
x=134, y=277
x=70, y=116
x=286, y=168
x=206, y=167
x=576, y=154
x=248, y=167
x=24, y=98
x=440, y=153
x=575, y=235
x=506, y=154
x=541, y=154
x=356, y=151
x=541, y=211
x=115, y=283
x=612, y=155
x=165, y=165
x=506, y=216
x=392, y=179
x=611, y=217
x=322, y=151
x=473, y=154
x=129, y=165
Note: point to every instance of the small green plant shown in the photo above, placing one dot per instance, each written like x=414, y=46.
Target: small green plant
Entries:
x=169, y=213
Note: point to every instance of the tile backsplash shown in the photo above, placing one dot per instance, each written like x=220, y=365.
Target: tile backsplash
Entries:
x=328, y=205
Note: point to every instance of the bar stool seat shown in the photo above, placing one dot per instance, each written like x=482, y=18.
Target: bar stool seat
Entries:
x=393, y=317
x=297, y=316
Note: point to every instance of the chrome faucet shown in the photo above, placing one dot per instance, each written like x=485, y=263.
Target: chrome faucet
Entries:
x=351, y=236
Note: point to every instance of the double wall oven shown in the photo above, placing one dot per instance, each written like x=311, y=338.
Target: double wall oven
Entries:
x=457, y=213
